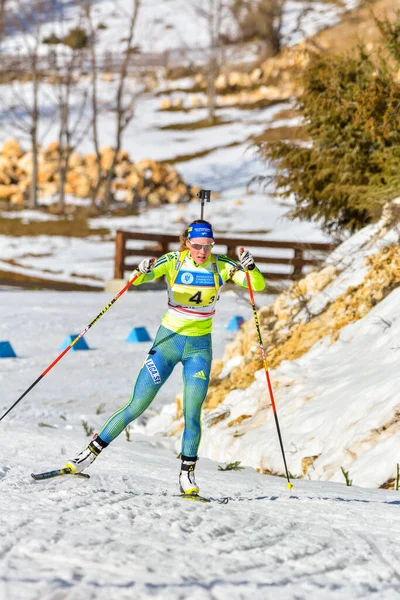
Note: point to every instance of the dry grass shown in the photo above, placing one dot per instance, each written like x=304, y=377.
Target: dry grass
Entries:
x=77, y=228
x=355, y=27
x=276, y=134
x=185, y=157
x=38, y=283
x=202, y=124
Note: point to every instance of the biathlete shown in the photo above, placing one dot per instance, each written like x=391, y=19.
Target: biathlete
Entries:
x=194, y=277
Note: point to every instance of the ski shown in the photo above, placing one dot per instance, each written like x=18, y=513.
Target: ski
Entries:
x=197, y=498
x=57, y=473
x=193, y=497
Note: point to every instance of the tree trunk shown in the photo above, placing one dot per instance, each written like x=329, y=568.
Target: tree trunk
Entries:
x=33, y=192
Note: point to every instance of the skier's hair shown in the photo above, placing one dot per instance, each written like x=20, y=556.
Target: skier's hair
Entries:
x=184, y=237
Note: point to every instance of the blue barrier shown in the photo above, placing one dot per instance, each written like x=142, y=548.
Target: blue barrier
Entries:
x=138, y=334
x=80, y=344
x=6, y=350
x=235, y=323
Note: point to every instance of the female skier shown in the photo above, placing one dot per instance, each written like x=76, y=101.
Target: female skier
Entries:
x=194, y=277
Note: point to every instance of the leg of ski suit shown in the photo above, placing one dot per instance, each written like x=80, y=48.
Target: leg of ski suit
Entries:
x=168, y=349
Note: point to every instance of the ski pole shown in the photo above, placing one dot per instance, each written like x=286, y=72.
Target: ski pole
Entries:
x=72, y=343
x=271, y=393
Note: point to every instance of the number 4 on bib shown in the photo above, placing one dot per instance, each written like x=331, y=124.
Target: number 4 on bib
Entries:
x=196, y=298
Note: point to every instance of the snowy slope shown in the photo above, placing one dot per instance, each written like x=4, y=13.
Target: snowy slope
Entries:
x=170, y=24
x=338, y=403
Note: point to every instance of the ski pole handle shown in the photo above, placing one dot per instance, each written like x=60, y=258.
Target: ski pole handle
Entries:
x=241, y=250
x=105, y=309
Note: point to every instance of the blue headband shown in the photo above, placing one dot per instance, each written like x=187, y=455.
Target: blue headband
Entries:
x=199, y=230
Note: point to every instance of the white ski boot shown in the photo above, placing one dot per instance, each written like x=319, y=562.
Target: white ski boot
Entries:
x=87, y=456
x=187, y=481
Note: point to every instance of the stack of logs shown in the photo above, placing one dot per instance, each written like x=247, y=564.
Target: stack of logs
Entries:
x=146, y=180
x=274, y=80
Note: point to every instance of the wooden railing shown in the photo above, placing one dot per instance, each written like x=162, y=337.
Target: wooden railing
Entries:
x=295, y=255
x=108, y=61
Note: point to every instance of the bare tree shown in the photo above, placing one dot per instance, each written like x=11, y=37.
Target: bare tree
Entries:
x=22, y=108
x=70, y=93
x=121, y=106
x=260, y=20
x=72, y=128
x=2, y=18
x=87, y=6
x=213, y=13
x=124, y=100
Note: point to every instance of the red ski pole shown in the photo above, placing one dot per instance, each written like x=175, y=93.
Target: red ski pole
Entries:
x=271, y=393
x=72, y=343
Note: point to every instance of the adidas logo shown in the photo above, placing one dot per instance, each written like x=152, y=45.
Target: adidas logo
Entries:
x=200, y=375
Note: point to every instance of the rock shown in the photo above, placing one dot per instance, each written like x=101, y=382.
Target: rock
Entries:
x=391, y=213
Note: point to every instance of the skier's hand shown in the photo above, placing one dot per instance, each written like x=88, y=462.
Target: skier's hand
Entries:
x=246, y=260
x=146, y=265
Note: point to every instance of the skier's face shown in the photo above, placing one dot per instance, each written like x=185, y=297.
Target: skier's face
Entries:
x=200, y=249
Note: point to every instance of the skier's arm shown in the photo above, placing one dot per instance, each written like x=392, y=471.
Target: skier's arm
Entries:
x=226, y=266
x=158, y=270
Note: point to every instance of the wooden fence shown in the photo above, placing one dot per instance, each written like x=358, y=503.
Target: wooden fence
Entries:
x=108, y=61
x=293, y=255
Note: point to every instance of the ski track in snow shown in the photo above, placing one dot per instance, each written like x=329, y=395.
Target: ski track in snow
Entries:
x=123, y=534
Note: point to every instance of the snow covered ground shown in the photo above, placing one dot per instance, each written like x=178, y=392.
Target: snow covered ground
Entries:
x=172, y=24
x=122, y=533
x=226, y=168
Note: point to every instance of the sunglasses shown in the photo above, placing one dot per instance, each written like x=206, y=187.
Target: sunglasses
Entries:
x=205, y=247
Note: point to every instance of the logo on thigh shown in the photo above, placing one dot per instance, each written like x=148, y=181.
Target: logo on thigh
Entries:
x=152, y=369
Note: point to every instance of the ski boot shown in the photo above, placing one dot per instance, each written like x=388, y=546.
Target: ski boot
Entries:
x=87, y=456
x=187, y=481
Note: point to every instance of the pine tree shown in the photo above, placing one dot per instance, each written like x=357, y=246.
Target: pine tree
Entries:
x=350, y=166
